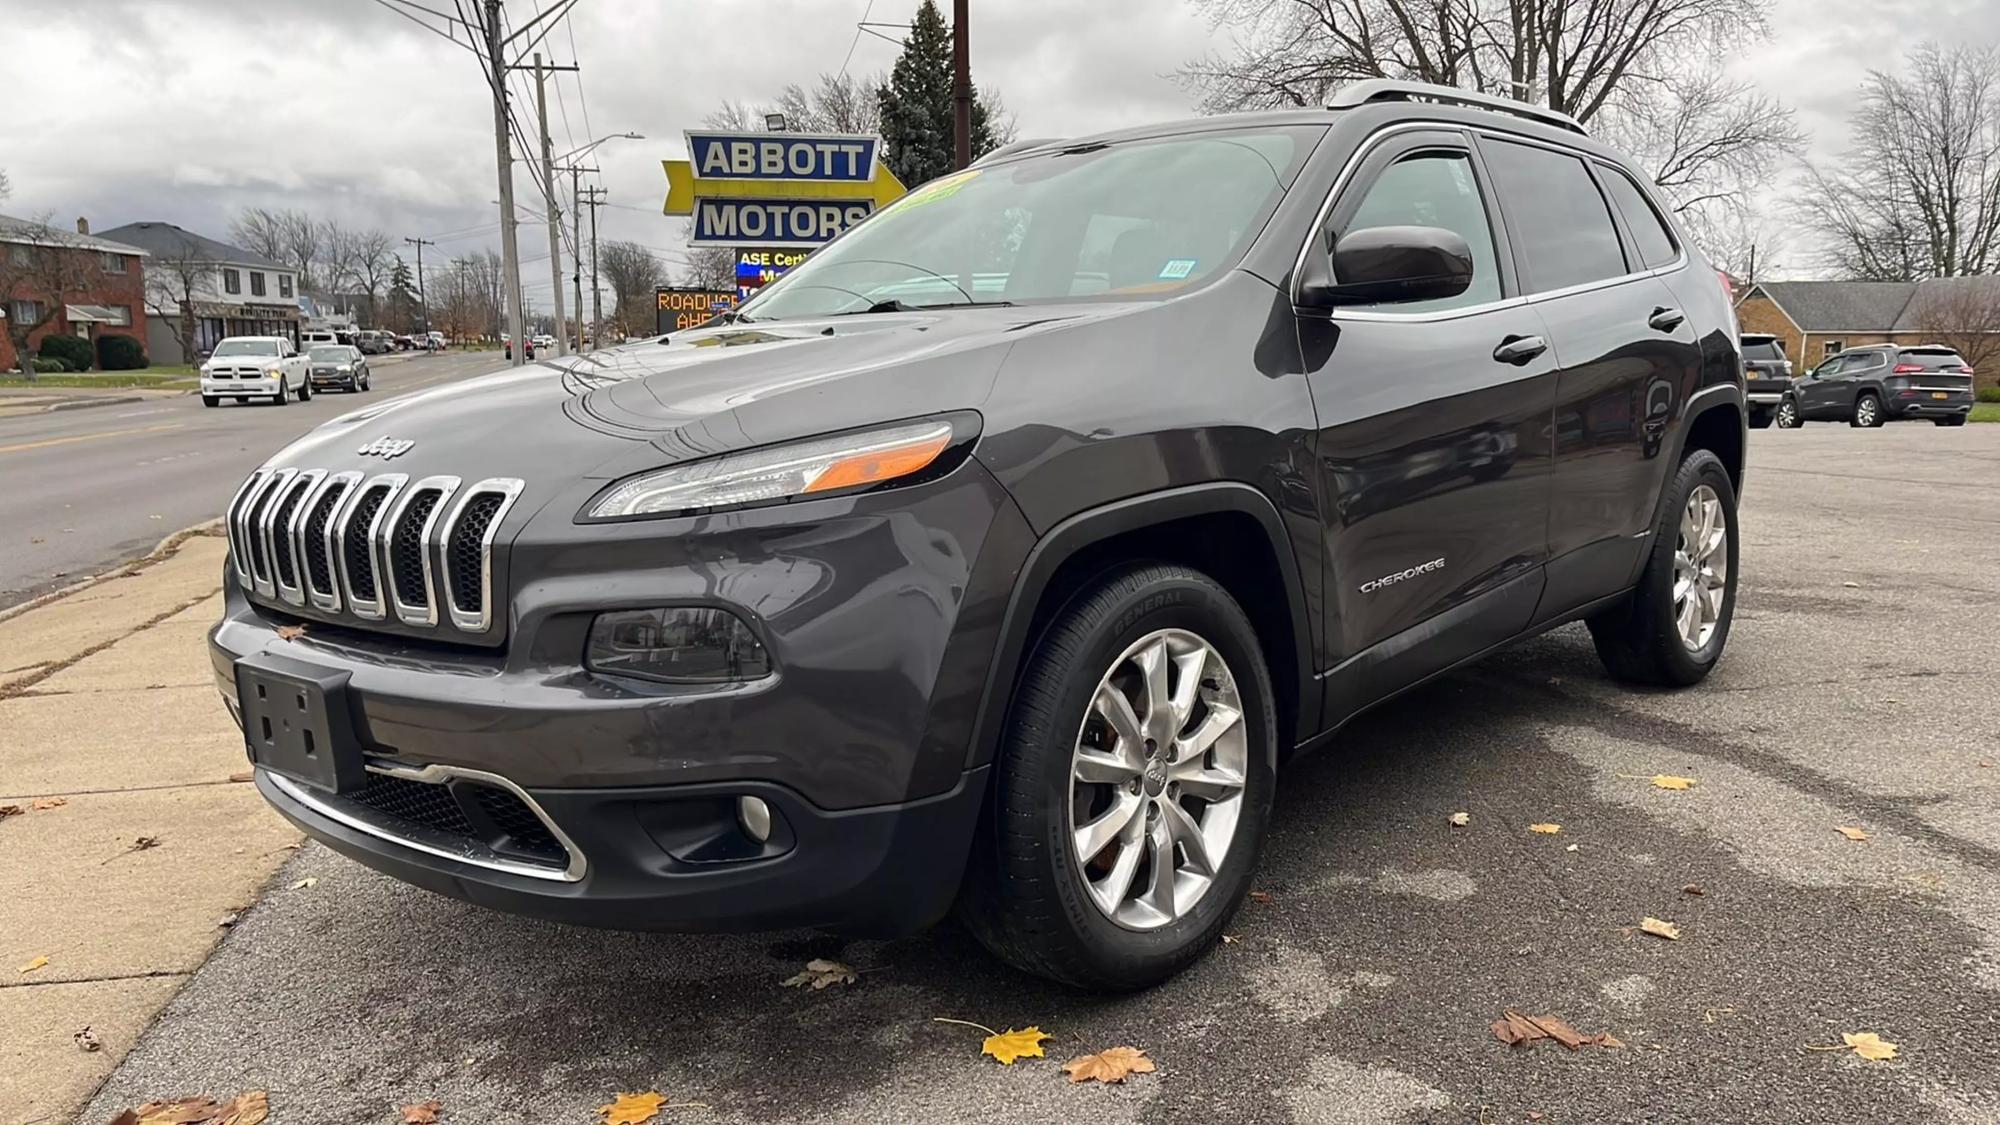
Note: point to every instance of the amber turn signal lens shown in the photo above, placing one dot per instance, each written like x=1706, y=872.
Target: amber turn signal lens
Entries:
x=880, y=464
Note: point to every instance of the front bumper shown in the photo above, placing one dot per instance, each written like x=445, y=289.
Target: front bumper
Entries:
x=334, y=379
x=226, y=387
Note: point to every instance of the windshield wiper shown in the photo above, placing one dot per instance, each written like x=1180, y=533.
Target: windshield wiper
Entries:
x=894, y=305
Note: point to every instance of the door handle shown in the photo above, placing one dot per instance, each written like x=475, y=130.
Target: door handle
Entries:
x=1518, y=350
x=1666, y=320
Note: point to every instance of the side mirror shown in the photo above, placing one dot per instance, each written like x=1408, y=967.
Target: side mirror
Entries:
x=1389, y=264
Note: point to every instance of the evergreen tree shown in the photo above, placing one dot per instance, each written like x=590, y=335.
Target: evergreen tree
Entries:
x=402, y=293
x=917, y=107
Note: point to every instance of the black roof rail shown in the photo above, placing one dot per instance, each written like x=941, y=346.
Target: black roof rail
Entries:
x=1394, y=90
x=1017, y=146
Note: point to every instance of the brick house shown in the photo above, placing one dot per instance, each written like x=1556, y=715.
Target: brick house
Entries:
x=104, y=284
x=232, y=291
x=1816, y=319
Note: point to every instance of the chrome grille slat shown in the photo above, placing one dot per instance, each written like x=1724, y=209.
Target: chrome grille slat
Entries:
x=286, y=563
x=392, y=549
x=472, y=609
x=356, y=544
x=233, y=516
x=260, y=531
x=314, y=542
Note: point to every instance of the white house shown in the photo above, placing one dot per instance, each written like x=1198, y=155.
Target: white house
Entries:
x=236, y=292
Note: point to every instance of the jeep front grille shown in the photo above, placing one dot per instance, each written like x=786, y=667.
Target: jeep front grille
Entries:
x=371, y=548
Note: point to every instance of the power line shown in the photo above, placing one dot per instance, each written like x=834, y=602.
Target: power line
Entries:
x=856, y=41
x=582, y=102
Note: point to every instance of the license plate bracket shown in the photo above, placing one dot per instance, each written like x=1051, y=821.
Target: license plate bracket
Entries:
x=1939, y=394
x=296, y=721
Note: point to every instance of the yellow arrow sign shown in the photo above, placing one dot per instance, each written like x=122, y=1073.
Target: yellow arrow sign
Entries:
x=684, y=187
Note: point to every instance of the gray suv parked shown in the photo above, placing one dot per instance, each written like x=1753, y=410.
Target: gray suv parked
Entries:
x=1000, y=555
x=1871, y=385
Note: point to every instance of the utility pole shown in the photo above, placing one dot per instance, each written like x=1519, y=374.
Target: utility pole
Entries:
x=961, y=80
x=594, y=198
x=576, y=238
x=549, y=192
x=423, y=303
x=510, y=251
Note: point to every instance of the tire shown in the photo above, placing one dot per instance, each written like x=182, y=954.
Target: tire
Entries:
x=1761, y=419
x=1787, y=417
x=1867, y=412
x=306, y=389
x=211, y=400
x=1954, y=420
x=1028, y=895
x=284, y=394
x=1641, y=641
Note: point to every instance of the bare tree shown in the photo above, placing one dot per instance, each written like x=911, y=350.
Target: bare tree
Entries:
x=6, y=185
x=1741, y=240
x=40, y=267
x=261, y=231
x=1963, y=313
x=633, y=272
x=174, y=275
x=836, y=103
x=1917, y=194
x=358, y=263
x=291, y=238
x=710, y=267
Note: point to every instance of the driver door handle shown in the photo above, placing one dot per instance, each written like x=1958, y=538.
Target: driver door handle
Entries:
x=1518, y=350
x=1666, y=320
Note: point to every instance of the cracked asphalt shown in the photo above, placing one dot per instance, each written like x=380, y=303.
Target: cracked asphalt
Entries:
x=1858, y=691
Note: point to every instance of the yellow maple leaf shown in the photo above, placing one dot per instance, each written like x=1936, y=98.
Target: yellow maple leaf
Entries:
x=37, y=963
x=1545, y=829
x=1852, y=833
x=1659, y=928
x=1669, y=781
x=1869, y=1045
x=632, y=1109
x=1010, y=1045
x=1112, y=1065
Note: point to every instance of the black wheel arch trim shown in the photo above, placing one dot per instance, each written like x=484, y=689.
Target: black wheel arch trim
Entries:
x=1135, y=513
x=1715, y=396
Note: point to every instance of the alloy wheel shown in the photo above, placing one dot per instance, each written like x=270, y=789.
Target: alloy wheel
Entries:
x=1156, y=779
x=1864, y=412
x=1701, y=567
x=1788, y=416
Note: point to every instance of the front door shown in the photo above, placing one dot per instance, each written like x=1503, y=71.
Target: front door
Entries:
x=1434, y=436
x=1818, y=390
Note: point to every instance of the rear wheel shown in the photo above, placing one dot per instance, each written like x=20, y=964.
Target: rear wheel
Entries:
x=1672, y=629
x=1867, y=411
x=1954, y=420
x=1788, y=415
x=1133, y=787
x=1760, y=419
x=305, y=390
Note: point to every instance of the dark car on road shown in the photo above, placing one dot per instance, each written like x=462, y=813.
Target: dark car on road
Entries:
x=996, y=558
x=1766, y=375
x=1867, y=386
x=338, y=367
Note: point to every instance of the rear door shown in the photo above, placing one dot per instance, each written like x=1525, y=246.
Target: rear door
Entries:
x=1627, y=352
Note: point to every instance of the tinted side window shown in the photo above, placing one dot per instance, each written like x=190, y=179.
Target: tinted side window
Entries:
x=1650, y=236
x=1435, y=189
x=1562, y=225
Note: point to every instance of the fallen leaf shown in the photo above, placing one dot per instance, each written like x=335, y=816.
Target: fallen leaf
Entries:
x=291, y=632
x=302, y=884
x=1692, y=889
x=86, y=1040
x=37, y=963
x=1852, y=833
x=243, y=775
x=632, y=1109
x=1571, y=848
x=10, y=810
x=1669, y=781
x=226, y=921
x=1709, y=1015
x=1231, y=939
x=1115, y=1064
x=1517, y=1030
x=1852, y=585
x=1010, y=1045
x=821, y=973
x=1460, y=820
x=1536, y=1115
x=1869, y=1045
x=1545, y=829
x=1659, y=928
x=249, y=1108
x=1260, y=896
x=421, y=1113
x=47, y=803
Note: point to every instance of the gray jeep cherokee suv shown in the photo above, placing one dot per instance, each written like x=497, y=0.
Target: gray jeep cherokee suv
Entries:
x=997, y=557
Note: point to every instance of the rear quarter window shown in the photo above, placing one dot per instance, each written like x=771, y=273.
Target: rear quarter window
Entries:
x=1650, y=236
x=1762, y=349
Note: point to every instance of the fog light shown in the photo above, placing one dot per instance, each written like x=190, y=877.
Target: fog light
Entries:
x=755, y=817
x=676, y=644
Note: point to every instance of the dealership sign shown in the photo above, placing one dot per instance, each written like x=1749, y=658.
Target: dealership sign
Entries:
x=777, y=189
x=682, y=309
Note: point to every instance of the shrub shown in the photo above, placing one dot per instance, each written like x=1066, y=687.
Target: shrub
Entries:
x=72, y=350
x=1989, y=394
x=50, y=365
x=120, y=353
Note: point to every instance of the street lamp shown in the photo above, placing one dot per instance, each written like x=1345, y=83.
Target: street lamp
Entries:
x=774, y=122
x=613, y=137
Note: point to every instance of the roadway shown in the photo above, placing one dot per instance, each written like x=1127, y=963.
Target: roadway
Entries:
x=83, y=490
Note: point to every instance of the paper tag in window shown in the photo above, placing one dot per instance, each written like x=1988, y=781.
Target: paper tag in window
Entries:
x=1177, y=269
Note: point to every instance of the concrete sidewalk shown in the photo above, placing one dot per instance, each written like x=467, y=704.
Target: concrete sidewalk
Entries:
x=41, y=400
x=107, y=706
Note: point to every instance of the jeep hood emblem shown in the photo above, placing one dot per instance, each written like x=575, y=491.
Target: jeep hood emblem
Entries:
x=386, y=448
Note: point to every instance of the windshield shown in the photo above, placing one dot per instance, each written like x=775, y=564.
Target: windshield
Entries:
x=327, y=354
x=245, y=347
x=1762, y=349
x=1136, y=220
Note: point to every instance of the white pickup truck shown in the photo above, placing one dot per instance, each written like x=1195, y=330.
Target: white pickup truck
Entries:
x=247, y=367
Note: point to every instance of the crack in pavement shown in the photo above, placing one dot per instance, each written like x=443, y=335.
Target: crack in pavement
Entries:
x=21, y=687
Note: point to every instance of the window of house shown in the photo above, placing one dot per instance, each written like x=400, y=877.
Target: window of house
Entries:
x=113, y=263
x=1650, y=236
x=21, y=255
x=256, y=283
x=232, y=281
x=121, y=316
x=1830, y=347
x=285, y=285
x=1563, y=225
x=1435, y=189
x=25, y=310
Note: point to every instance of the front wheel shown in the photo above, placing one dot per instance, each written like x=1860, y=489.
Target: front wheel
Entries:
x=1760, y=419
x=284, y=394
x=1867, y=412
x=1133, y=786
x=1788, y=415
x=1670, y=632
x=305, y=390
x=211, y=400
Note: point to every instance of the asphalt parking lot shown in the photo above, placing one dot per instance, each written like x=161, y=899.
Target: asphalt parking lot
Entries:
x=1858, y=691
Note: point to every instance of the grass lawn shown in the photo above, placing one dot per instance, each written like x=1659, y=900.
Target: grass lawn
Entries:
x=159, y=378
x=1986, y=412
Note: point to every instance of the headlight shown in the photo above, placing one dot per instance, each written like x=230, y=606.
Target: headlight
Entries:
x=345, y=368
x=778, y=472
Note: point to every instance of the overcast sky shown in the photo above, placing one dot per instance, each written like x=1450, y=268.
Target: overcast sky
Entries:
x=188, y=110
